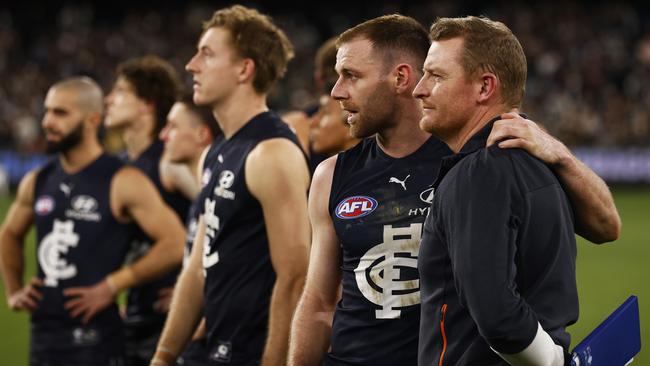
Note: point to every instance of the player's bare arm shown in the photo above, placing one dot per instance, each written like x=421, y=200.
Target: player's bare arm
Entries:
x=134, y=197
x=312, y=322
x=277, y=175
x=178, y=178
x=186, y=307
x=597, y=218
x=12, y=234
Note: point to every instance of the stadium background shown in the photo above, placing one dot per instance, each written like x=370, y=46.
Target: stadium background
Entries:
x=589, y=67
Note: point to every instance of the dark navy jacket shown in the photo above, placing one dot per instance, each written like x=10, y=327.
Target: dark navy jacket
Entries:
x=497, y=256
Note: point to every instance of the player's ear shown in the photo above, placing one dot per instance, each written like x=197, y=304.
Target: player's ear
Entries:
x=247, y=70
x=95, y=119
x=204, y=135
x=403, y=75
x=487, y=86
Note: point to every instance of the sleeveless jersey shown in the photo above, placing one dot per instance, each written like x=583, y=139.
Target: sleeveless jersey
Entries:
x=236, y=259
x=195, y=211
x=378, y=205
x=142, y=298
x=79, y=239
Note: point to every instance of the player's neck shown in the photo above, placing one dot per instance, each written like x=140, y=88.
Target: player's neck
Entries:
x=137, y=137
x=477, y=121
x=233, y=113
x=405, y=135
x=193, y=165
x=79, y=157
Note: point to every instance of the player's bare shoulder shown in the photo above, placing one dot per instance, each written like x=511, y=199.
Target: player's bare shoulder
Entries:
x=276, y=161
x=127, y=187
x=323, y=175
x=25, y=193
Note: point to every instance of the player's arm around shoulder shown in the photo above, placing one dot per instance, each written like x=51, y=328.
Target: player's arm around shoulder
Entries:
x=597, y=218
x=19, y=219
x=134, y=197
x=277, y=175
x=312, y=323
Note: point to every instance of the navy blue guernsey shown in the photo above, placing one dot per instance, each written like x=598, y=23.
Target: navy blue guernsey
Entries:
x=79, y=240
x=142, y=298
x=378, y=206
x=236, y=258
x=497, y=257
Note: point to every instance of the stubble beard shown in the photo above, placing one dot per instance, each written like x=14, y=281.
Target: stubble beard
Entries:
x=378, y=114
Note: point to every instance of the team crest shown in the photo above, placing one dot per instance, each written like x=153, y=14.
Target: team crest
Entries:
x=355, y=207
x=387, y=273
x=51, y=253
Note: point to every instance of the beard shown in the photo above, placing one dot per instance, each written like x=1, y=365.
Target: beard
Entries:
x=378, y=113
x=69, y=141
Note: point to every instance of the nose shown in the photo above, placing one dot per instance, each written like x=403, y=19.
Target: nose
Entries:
x=421, y=90
x=47, y=121
x=109, y=98
x=338, y=91
x=164, y=134
x=191, y=65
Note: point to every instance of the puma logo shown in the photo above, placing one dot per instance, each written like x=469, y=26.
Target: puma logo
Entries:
x=400, y=182
x=65, y=189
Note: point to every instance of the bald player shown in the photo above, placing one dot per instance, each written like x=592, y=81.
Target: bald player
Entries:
x=85, y=206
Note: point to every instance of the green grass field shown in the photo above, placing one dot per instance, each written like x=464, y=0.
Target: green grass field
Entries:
x=607, y=275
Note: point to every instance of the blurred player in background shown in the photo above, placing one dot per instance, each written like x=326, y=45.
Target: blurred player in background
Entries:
x=143, y=93
x=304, y=122
x=330, y=133
x=84, y=205
x=189, y=130
x=249, y=270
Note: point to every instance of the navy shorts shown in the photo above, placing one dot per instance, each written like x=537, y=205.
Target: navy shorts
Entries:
x=77, y=346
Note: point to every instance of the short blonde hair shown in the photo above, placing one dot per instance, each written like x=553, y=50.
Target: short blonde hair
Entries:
x=488, y=46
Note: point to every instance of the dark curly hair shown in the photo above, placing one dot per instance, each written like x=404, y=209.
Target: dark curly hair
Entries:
x=154, y=80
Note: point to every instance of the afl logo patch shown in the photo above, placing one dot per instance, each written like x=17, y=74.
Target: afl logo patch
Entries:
x=205, y=178
x=355, y=207
x=44, y=205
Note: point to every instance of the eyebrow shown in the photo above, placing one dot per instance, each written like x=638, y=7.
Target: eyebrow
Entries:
x=57, y=110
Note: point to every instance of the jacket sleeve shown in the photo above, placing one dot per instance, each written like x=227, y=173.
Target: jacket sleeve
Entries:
x=483, y=218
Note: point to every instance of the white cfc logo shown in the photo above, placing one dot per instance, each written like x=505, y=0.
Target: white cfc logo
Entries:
x=379, y=272
x=211, y=227
x=52, y=246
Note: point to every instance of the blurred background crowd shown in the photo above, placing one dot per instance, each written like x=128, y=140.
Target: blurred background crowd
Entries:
x=588, y=62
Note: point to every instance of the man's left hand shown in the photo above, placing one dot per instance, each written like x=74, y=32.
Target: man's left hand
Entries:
x=88, y=301
x=515, y=131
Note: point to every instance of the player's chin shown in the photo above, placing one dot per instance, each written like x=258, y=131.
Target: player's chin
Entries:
x=427, y=123
x=110, y=121
x=199, y=98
